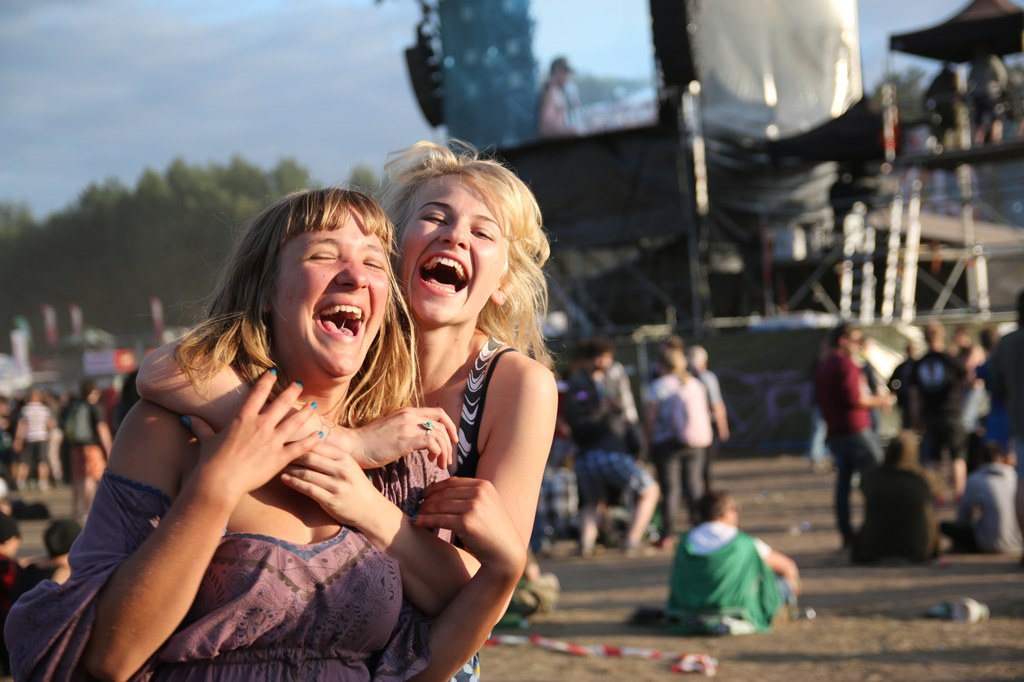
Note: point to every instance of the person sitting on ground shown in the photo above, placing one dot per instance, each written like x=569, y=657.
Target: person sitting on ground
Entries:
x=58, y=538
x=899, y=508
x=985, y=518
x=722, y=575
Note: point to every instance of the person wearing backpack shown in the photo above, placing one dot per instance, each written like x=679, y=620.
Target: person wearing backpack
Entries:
x=679, y=429
x=88, y=436
x=602, y=462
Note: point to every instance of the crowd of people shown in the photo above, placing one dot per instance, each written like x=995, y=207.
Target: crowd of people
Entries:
x=50, y=439
x=960, y=411
x=630, y=470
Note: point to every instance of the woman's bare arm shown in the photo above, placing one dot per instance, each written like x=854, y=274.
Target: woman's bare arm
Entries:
x=148, y=595
x=433, y=571
x=473, y=509
x=161, y=381
x=516, y=435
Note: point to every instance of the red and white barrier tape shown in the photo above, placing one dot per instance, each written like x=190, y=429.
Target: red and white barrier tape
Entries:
x=681, y=663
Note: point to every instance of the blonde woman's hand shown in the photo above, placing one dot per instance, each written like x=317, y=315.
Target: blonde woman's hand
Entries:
x=472, y=509
x=389, y=438
x=260, y=440
x=336, y=483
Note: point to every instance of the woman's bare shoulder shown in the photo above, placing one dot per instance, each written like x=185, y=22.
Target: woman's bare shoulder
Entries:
x=523, y=372
x=521, y=383
x=153, y=446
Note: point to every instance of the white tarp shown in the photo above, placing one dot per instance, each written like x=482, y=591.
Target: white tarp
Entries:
x=14, y=376
x=775, y=68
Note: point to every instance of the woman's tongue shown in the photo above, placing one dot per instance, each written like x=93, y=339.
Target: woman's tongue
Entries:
x=338, y=325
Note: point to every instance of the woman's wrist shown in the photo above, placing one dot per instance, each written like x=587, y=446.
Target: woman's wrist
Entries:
x=384, y=523
x=352, y=442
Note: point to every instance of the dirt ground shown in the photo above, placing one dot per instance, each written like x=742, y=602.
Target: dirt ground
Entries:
x=870, y=622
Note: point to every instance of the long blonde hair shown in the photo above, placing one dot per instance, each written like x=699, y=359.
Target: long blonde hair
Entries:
x=519, y=320
x=237, y=331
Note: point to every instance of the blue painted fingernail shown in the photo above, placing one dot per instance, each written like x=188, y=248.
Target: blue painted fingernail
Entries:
x=313, y=404
x=299, y=383
x=320, y=434
x=414, y=517
x=273, y=371
x=186, y=420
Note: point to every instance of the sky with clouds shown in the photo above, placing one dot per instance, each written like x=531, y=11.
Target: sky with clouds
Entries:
x=94, y=89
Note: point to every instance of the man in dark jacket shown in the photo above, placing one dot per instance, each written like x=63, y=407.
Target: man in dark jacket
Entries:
x=937, y=397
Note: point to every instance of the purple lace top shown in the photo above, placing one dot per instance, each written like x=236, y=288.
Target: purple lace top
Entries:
x=266, y=609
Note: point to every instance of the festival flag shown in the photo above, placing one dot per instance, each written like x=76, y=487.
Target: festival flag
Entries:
x=156, y=309
x=49, y=323
x=21, y=324
x=19, y=347
x=76, y=318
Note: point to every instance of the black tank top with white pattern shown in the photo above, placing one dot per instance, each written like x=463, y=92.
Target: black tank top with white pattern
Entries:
x=467, y=453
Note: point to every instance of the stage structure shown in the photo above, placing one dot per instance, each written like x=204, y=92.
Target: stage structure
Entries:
x=736, y=172
x=733, y=176
x=981, y=185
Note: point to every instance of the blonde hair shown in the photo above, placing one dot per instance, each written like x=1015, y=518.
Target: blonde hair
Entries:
x=237, y=331
x=519, y=320
x=673, y=361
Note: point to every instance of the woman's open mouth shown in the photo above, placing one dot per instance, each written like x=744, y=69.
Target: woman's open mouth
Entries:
x=342, y=319
x=444, y=273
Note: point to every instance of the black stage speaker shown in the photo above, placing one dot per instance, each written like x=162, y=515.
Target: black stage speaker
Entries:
x=671, y=33
x=425, y=75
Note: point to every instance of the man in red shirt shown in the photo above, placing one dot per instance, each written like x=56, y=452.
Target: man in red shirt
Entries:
x=845, y=404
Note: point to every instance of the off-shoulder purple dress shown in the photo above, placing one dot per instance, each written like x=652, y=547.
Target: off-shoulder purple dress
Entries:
x=266, y=609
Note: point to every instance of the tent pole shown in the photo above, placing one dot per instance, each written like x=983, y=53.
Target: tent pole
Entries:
x=694, y=173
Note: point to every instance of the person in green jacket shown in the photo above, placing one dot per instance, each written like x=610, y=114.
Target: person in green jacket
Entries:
x=724, y=580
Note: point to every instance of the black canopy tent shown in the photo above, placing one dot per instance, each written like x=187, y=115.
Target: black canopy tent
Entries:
x=995, y=25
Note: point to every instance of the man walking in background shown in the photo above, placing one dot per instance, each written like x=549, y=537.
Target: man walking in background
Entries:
x=602, y=463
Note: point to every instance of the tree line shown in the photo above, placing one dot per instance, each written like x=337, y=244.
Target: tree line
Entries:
x=117, y=246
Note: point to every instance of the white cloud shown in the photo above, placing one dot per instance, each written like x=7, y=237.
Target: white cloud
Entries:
x=111, y=87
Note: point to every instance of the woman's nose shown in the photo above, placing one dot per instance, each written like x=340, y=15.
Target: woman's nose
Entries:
x=457, y=233
x=353, y=274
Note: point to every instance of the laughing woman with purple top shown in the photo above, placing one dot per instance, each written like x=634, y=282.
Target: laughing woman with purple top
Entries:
x=207, y=558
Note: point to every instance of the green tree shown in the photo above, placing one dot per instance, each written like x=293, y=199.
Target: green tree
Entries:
x=116, y=246
x=364, y=179
x=15, y=219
